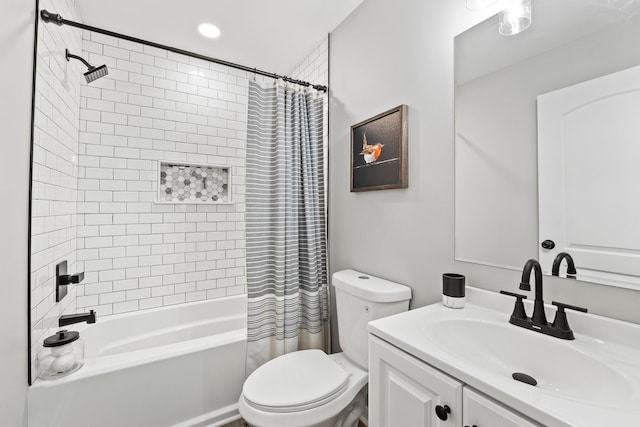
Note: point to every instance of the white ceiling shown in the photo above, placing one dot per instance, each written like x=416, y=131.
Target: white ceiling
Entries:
x=272, y=35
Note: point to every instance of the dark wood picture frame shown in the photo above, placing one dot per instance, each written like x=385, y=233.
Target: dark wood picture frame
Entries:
x=379, y=151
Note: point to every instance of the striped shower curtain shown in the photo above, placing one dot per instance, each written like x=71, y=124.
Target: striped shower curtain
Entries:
x=286, y=229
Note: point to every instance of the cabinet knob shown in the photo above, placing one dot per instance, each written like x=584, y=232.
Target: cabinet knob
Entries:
x=443, y=411
x=548, y=244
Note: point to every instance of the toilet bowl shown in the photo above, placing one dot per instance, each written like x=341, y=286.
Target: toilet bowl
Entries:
x=306, y=388
x=309, y=388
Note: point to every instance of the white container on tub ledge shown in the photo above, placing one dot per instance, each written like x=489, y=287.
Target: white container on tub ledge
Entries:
x=61, y=355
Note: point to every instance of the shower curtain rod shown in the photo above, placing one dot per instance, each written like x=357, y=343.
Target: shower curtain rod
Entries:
x=49, y=17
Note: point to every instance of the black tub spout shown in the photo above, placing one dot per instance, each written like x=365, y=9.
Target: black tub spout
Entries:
x=70, y=319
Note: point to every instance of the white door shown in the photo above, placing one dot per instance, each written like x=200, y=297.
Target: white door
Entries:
x=404, y=391
x=480, y=411
x=589, y=177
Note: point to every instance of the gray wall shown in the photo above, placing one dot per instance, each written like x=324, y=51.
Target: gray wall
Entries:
x=16, y=47
x=380, y=57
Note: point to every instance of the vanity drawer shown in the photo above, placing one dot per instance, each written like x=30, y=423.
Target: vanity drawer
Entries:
x=481, y=411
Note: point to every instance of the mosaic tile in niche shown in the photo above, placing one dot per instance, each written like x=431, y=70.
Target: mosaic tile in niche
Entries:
x=193, y=184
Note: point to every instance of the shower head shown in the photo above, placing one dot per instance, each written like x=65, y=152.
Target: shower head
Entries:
x=93, y=73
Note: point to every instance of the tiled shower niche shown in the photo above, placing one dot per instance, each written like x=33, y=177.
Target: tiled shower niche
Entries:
x=202, y=184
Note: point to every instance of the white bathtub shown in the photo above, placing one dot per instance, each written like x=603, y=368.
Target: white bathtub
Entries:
x=177, y=366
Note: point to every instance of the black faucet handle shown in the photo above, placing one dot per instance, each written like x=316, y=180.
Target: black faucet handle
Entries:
x=518, y=309
x=562, y=306
x=513, y=294
x=76, y=278
x=67, y=279
x=560, y=323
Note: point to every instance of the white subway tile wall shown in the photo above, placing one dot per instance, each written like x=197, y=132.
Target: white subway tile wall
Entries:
x=55, y=171
x=314, y=68
x=156, y=106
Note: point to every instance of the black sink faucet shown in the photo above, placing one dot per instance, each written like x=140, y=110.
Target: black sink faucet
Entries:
x=538, y=317
x=538, y=322
x=571, y=267
x=70, y=319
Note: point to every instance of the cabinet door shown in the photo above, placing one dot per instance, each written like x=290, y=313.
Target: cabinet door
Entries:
x=404, y=391
x=480, y=411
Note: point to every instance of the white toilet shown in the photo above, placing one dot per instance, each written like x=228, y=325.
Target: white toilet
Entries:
x=309, y=388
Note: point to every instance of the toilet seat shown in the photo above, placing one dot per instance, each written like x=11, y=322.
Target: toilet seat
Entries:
x=295, y=382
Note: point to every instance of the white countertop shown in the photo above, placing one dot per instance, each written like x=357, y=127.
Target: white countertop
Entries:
x=593, y=380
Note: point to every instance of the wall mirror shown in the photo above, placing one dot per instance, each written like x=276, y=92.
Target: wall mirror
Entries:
x=546, y=141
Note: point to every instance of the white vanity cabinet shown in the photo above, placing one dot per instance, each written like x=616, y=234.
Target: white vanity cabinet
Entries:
x=405, y=391
x=465, y=358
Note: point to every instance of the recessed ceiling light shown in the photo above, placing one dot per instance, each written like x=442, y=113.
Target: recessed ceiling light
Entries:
x=209, y=30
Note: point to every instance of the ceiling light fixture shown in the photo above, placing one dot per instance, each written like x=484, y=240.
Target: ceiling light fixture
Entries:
x=515, y=18
x=209, y=30
x=479, y=4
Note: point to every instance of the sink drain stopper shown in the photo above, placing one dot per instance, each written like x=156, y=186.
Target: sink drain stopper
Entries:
x=524, y=378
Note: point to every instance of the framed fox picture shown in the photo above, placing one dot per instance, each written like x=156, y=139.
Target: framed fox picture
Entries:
x=379, y=151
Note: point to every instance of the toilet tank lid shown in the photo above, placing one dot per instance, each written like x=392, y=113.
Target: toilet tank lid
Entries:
x=369, y=287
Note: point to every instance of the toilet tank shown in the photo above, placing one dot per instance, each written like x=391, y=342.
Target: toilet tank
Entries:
x=361, y=298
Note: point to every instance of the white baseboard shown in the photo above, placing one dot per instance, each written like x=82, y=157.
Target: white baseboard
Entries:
x=216, y=418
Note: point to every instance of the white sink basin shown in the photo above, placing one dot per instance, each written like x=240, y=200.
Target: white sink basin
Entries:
x=505, y=349
x=592, y=381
